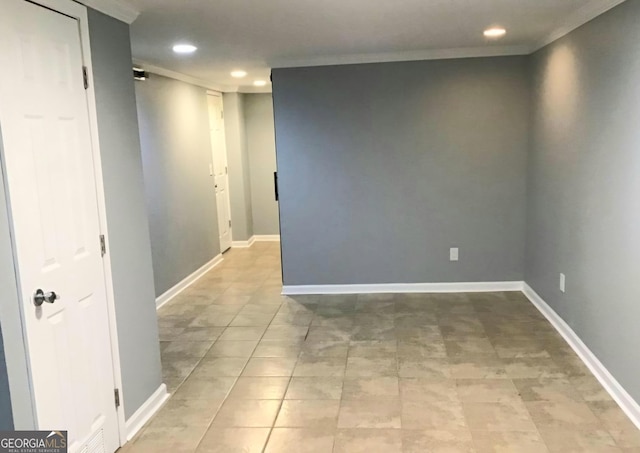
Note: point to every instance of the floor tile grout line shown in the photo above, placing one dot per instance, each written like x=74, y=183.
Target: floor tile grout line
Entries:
x=224, y=400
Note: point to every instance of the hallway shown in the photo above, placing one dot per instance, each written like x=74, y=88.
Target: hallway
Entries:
x=250, y=370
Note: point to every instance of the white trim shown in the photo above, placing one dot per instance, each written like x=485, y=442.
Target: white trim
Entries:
x=102, y=213
x=610, y=384
x=146, y=411
x=431, y=54
x=114, y=8
x=243, y=244
x=581, y=16
x=153, y=69
x=187, y=281
x=267, y=237
x=458, y=287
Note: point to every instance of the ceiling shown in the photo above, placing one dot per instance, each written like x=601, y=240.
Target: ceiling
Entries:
x=256, y=35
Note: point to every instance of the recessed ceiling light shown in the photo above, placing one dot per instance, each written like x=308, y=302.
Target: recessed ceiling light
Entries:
x=259, y=83
x=238, y=74
x=184, y=48
x=495, y=32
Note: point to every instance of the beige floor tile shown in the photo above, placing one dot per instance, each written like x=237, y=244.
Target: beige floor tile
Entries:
x=272, y=366
x=247, y=413
x=510, y=346
x=477, y=368
x=325, y=349
x=315, y=388
x=374, y=349
x=177, y=413
x=437, y=441
x=424, y=368
x=433, y=365
x=547, y=390
x=562, y=414
x=420, y=390
x=168, y=440
x=533, y=368
x=614, y=419
x=232, y=348
x=508, y=441
x=433, y=415
x=308, y=414
x=209, y=388
x=382, y=412
x=277, y=348
x=371, y=366
x=590, y=388
x=371, y=387
x=260, y=388
x=469, y=347
x=300, y=440
x=504, y=416
x=592, y=440
x=320, y=366
x=486, y=390
x=184, y=348
x=427, y=350
x=242, y=333
x=201, y=333
x=219, y=367
x=234, y=440
x=368, y=441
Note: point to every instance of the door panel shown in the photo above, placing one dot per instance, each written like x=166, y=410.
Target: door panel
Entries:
x=220, y=171
x=51, y=185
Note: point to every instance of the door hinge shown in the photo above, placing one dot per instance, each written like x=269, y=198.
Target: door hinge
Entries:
x=85, y=77
x=226, y=171
x=116, y=396
x=103, y=245
x=221, y=114
x=229, y=223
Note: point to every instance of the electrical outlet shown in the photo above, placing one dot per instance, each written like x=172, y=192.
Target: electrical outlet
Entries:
x=453, y=254
x=562, y=282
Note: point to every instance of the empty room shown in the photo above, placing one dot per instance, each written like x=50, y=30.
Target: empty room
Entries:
x=289, y=226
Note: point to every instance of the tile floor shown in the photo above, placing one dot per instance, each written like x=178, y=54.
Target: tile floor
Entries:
x=251, y=371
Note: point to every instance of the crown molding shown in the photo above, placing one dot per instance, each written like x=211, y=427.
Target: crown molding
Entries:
x=255, y=90
x=581, y=16
x=114, y=8
x=432, y=54
x=153, y=69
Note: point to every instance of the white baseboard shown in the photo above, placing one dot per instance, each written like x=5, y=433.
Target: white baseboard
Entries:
x=460, y=287
x=187, y=281
x=146, y=411
x=610, y=384
x=243, y=244
x=267, y=237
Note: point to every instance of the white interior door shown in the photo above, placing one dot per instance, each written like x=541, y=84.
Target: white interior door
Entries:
x=220, y=171
x=47, y=158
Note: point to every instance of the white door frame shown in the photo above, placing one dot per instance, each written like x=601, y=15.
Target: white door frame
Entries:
x=79, y=12
x=224, y=142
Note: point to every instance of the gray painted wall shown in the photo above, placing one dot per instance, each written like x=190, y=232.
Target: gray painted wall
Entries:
x=384, y=167
x=128, y=230
x=584, y=190
x=180, y=193
x=238, y=163
x=261, y=146
x=6, y=413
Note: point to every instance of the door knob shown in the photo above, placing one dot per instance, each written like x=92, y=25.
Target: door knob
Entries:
x=40, y=297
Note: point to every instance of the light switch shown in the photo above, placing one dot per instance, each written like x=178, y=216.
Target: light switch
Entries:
x=453, y=254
